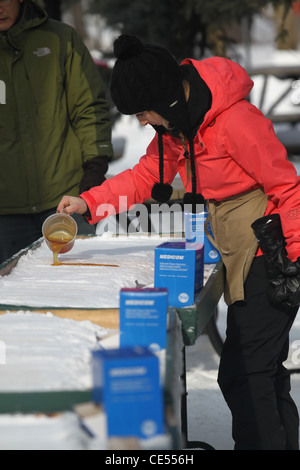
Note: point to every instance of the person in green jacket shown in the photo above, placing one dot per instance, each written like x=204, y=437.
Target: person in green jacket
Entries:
x=55, y=128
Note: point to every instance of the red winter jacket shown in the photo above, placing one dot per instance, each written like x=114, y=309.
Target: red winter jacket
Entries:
x=236, y=150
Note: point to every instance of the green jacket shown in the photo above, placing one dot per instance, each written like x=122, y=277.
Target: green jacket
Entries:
x=55, y=117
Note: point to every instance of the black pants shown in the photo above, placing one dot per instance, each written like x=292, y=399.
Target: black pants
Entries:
x=20, y=231
x=253, y=380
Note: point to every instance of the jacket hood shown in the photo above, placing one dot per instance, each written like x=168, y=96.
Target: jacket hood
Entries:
x=31, y=16
x=227, y=81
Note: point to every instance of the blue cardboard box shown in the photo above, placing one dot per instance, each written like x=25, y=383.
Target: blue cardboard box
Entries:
x=195, y=233
x=127, y=383
x=143, y=317
x=179, y=268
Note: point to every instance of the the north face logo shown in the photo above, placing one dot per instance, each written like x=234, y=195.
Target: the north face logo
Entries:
x=2, y=92
x=42, y=51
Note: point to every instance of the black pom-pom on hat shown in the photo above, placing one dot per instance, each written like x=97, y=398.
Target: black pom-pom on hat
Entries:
x=127, y=46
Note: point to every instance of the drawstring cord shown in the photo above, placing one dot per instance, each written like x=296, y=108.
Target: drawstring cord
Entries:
x=161, y=158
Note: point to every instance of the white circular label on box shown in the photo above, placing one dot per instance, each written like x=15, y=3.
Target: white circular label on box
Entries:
x=148, y=427
x=213, y=254
x=183, y=298
x=154, y=347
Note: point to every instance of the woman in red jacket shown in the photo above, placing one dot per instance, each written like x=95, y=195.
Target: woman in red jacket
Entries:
x=228, y=156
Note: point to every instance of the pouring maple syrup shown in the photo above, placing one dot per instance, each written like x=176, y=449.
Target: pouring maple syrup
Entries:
x=57, y=241
x=60, y=232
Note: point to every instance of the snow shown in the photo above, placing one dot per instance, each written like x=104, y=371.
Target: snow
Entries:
x=31, y=432
x=126, y=262
x=45, y=352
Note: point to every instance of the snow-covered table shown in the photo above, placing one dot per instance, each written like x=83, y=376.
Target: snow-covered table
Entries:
x=88, y=288
x=50, y=354
x=46, y=351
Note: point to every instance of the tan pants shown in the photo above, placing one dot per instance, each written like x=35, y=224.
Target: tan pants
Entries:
x=230, y=222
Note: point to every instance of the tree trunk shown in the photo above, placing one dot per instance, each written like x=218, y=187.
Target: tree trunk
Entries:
x=291, y=24
x=215, y=41
x=78, y=19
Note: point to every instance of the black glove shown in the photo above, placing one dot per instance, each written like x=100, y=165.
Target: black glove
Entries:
x=283, y=274
x=94, y=171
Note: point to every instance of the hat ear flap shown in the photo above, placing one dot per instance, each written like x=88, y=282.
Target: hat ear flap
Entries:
x=193, y=199
x=161, y=191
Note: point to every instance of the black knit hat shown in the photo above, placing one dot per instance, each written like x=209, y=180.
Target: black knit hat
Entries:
x=147, y=77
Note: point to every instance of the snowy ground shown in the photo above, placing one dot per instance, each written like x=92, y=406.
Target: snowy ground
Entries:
x=208, y=416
